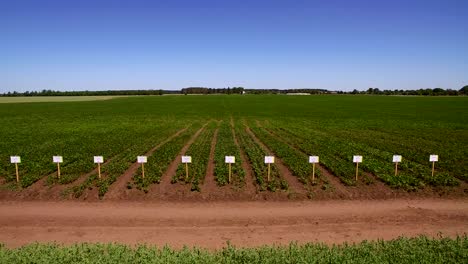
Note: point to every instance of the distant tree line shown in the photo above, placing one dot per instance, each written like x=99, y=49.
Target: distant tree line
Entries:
x=242, y=90
x=205, y=90
x=288, y=91
x=89, y=93
x=424, y=92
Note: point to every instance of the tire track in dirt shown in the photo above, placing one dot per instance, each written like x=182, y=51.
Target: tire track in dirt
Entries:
x=117, y=190
x=209, y=186
x=294, y=185
x=250, y=186
x=165, y=187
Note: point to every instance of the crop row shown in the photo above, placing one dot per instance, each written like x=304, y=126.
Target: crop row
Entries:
x=256, y=154
x=161, y=158
x=290, y=141
x=416, y=151
x=75, y=135
x=36, y=162
x=200, y=153
x=226, y=146
x=118, y=164
x=418, y=144
x=329, y=156
x=336, y=154
x=295, y=160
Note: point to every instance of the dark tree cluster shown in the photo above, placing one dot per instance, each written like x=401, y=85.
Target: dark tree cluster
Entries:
x=89, y=93
x=287, y=91
x=424, y=92
x=205, y=90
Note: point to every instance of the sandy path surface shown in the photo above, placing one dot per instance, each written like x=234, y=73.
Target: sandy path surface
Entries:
x=210, y=225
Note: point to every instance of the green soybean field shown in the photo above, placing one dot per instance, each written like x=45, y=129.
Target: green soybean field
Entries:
x=249, y=127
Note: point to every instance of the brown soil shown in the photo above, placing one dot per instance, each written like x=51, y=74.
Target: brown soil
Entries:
x=250, y=187
x=210, y=191
x=328, y=179
x=295, y=186
x=167, y=190
x=211, y=225
x=325, y=187
x=37, y=189
x=118, y=189
x=209, y=183
x=91, y=194
x=372, y=187
x=328, y=186
x=41, y=191
x=366, y=187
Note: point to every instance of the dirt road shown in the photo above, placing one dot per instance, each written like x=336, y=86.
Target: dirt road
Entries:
x=210, y=225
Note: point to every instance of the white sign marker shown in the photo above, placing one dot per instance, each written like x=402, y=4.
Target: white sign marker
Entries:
x=15, y=159
x=230, y=159
x=142, y=159
x=98, y=159
x=433, y=159
x=313, y=159
x=57, y=159
x=269, y=159
x=357, y=159
x=396, y=158
x=186, y=159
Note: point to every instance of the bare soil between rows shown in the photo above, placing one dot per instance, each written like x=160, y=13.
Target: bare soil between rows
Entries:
x=244, y=224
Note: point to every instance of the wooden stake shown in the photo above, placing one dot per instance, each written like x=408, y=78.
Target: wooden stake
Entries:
x=58, y=170
x=99, y=170
x=313, y=172
x=229, y=172
x=268, y=172
x=396, y=168
x=143, y=170
x=357, y=169
x=17, y=173
x=186, y=171
x=433, y=163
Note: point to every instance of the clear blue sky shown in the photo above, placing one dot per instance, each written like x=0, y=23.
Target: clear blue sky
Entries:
x=336, y=45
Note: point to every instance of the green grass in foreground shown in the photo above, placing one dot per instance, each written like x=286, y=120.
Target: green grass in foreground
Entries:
x=401, y=250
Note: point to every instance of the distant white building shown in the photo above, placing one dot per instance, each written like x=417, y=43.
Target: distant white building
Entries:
x=297, y=93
